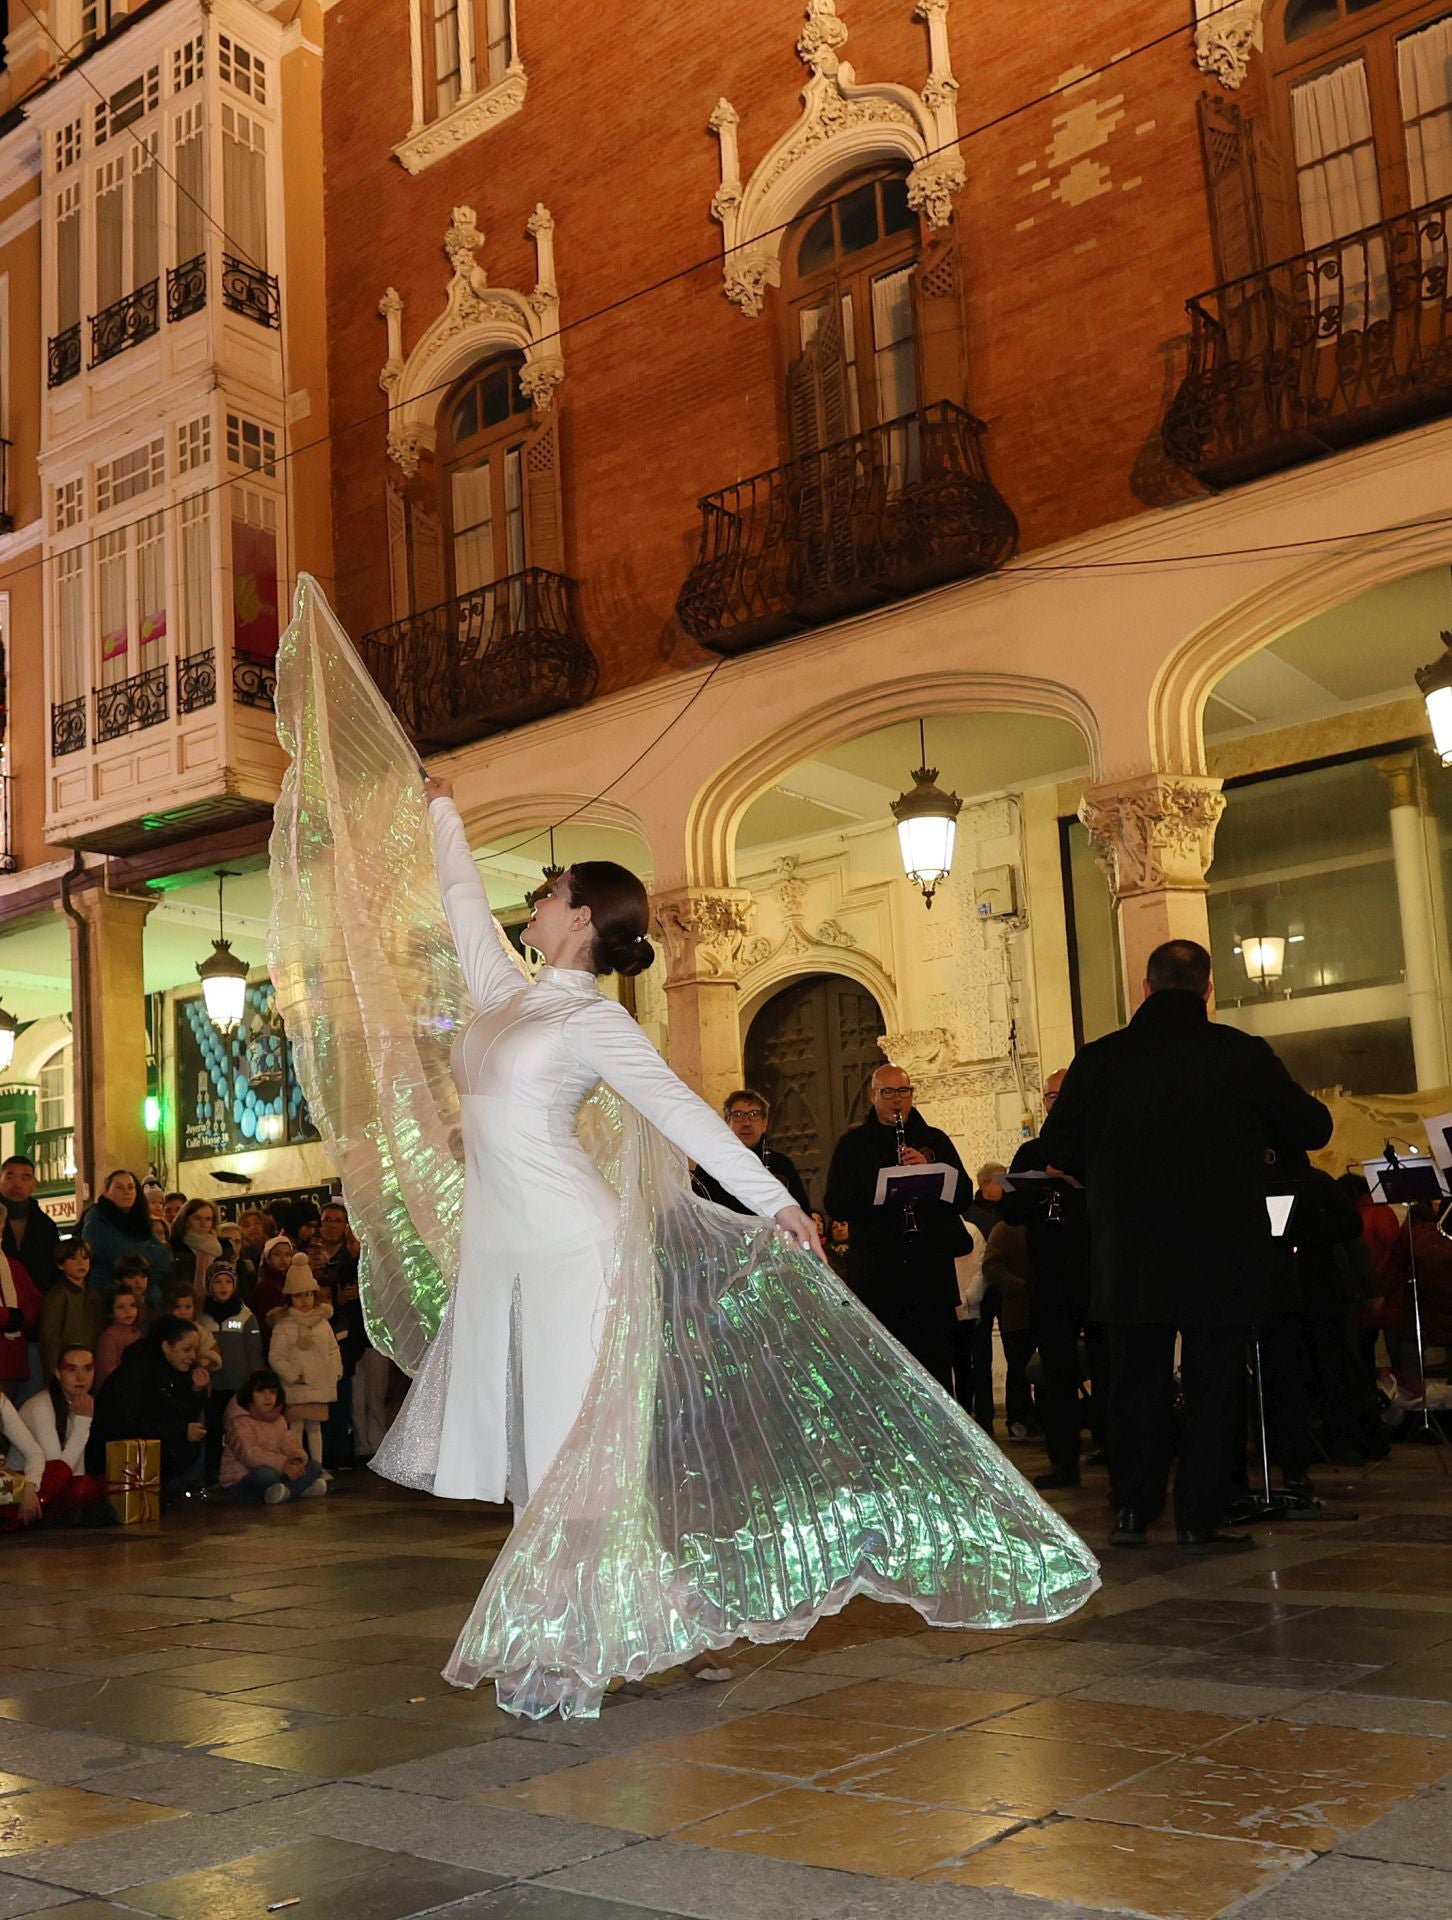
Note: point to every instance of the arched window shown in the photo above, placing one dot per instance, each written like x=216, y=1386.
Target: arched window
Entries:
x=849, y=311
x=484, y=426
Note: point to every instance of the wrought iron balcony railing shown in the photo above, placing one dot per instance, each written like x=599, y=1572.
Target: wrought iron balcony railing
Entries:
x=63, y=356
x=249, y=291
x=196, y=681
x=254, y=682
x=873, y=518
x=128, y=705
x=186, y=288
x=495, y=658
x=132, y=318
x=67, y=726
x=1342, y=343
x=53, y=1149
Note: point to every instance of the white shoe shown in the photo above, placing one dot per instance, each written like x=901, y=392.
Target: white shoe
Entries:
x=275, y=1496
x=315, y=1491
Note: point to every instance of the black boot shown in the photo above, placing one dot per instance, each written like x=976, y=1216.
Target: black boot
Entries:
x=1129, y=1529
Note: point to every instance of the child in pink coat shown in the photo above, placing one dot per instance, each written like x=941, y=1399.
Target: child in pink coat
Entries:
x=263, y=1458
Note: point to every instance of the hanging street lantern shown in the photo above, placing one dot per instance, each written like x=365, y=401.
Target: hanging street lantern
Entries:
x=9, y=1027
x=927, y=824
x=553, y=871
x=223, y=975
x=1435, y=683
x=1264, y=956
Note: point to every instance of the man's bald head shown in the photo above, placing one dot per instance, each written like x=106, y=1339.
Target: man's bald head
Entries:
x=892, y=1094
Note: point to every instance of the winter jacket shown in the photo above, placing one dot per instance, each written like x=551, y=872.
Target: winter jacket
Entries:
x=267, y=1300
x=1008, y=1269
x=106, y=1234
x=249, y=1441
x=1167, y=1123
x=112, y=1344
x=70, y=1316
x=14, y=1350
x=147, y=1398
x=36, y=1246
x=38, y=1413
x=239, y=1341
x=1385, y=1237
x=305, y=1357
x=21, y=1444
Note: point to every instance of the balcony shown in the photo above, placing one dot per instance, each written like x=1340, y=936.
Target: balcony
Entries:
x=53, y=1149
x=68, y=726
x=128, y=705
x=251, y=292
x=132, y=318
x=1343, y=343
x=186, y=289
x=63, y=356
x=874, y=518
x=492, y=659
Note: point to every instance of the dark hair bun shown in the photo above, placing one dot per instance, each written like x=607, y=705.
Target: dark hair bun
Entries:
x=633, y=957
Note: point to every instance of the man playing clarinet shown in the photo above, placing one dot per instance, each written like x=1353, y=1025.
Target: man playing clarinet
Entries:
x=900, y=1263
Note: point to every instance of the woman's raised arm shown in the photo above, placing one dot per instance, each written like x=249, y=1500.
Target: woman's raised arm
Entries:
x=489, y=972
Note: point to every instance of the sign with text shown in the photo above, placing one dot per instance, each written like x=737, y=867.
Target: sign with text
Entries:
x=236, y=1091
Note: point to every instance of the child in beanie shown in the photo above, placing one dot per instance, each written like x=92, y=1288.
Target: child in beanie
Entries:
x=304, y=1354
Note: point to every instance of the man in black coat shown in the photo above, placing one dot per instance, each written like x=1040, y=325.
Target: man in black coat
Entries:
x=1168, y=1124
x=900, y=1262
x=748, y=1115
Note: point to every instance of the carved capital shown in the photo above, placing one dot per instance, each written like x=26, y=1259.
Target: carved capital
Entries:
x=704, y=931
x=920, y=1052
x=1225, y=37
x=932, y=185
x=1399, y=770
x=1155, y=834
x=723, y=114
x=746, y=281
x=538, y=379
x=406, y=451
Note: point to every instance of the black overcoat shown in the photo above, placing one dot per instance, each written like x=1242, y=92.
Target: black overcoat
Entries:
x=894, y=1273
x=1167, y=1123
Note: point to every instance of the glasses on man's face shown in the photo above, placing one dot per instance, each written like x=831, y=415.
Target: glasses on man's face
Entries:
x=893, y=1093
x=1051, y=1094
x=746, y=1113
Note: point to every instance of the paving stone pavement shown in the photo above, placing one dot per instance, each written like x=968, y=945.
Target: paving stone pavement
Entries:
x=239, y=1708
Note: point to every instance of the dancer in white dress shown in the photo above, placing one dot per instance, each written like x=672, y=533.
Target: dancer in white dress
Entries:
x=706, y=1437
x=537, y=1240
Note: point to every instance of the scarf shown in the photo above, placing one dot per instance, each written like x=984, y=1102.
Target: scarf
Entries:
x=207, y=1247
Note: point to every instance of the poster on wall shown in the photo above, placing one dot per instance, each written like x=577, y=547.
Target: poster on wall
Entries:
x=236, y=1091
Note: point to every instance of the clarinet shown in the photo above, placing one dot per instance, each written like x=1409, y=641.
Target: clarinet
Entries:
x=909, y=1213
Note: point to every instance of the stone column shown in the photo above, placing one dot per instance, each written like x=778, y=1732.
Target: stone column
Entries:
x=1418, y=884
x=703, y=931
x=1154, y=839
x=109, y=992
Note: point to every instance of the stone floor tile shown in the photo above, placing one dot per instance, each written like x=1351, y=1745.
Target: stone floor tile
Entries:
x=1104, y=1722
x=1377, y=1713
x=1340, y=1888
x=1197, y=1696
x=241, y=1673
x=459, y=1772
x=937, y=1900
x=1426, y=1676
x=633, y=1793
x=1199, y=1794
x=907, y=1703
x=60, y=1816
x=709, y=1884
x=114, y=1861
x=880, y=1660
x=72, y=1908
x=336, y=1748
x=757, y=1690
x=503, y=1840
x=332, y=1880
x=1046, y=1668
x=1417, y=1833
x=202, y=1782
x=1100, y=1867
x=19, y=1897
x=785, y=1743
x=351, y=1690
x=535, y=1902
x=1260, y=1670
x=60, y=1757
x=1343, y=1753
x=984, y=1771
x=140, y=1711
x=882, y=1838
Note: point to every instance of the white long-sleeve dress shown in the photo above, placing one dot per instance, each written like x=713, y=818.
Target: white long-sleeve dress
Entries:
x=506, y=1377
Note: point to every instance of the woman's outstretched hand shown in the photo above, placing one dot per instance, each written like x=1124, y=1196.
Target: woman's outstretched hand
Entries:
x=438, y=789
x=800, y=1229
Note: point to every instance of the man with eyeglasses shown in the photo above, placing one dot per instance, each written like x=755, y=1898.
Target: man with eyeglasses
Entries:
x=900, y=1262
x=748, y=1115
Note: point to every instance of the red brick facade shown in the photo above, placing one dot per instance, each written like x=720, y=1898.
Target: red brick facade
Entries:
x=1081, y=230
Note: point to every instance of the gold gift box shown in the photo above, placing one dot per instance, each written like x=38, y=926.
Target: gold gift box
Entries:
x=133, y=1479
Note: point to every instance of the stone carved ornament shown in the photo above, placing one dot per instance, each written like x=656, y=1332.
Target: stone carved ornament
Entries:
x=496, y=316
x=791, y=890
x=863, y=121
x=704, y=932
x=1155, y=834
x=1227, y=32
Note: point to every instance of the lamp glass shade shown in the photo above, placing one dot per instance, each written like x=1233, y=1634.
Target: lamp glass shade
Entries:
x=1439, y=713
x=9, y=1027
x=224, y=986
x=1264, y=957
x=926, y=841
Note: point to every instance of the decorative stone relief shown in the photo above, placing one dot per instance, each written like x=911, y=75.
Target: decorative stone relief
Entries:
x=1225, y=37
x=841, y=126
x=476, y=111
x=476, y=319
x=1154, y=834
x=791, y=890
x=704, y=932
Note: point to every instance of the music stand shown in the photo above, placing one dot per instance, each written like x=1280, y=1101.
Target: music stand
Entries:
x=1396, y=1183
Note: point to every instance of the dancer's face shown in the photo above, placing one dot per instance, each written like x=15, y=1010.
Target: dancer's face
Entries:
x=556, y=929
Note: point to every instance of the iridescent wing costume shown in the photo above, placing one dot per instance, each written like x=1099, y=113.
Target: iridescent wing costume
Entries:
x=753, y=1450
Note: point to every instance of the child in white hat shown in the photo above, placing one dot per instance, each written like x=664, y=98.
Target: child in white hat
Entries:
x=304, y=1354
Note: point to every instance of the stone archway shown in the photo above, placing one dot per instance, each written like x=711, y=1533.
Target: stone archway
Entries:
x=810, y=1050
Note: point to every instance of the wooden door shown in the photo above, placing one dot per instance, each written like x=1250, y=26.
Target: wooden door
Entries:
x=811, y=1051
